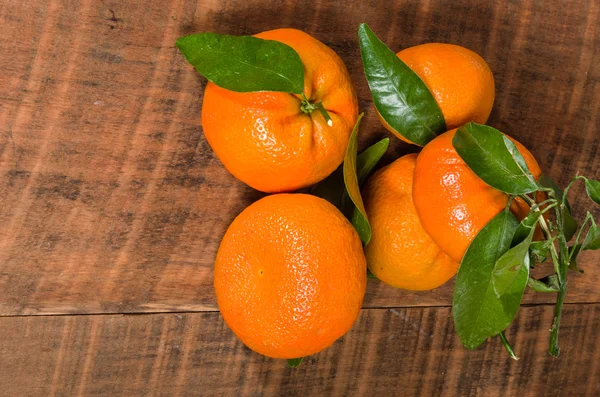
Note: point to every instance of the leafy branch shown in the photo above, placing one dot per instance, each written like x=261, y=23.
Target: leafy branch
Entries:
x=495, y=269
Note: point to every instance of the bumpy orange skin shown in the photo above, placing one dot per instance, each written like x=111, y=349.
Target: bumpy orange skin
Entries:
x=460, y=80
x=452, y=202
x=400, y=253
x=265, y=140
x=290, y=275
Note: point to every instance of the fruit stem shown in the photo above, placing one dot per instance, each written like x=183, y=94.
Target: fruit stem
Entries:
x=507, y=346
x=307, y=107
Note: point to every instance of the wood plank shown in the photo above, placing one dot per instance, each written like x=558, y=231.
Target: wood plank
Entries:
x=391, y=351
x=110, y=197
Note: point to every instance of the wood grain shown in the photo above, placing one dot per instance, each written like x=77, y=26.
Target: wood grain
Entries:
x=111, y=200
x=406, y=352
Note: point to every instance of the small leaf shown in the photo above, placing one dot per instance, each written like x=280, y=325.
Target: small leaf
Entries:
x=294, y=362
x=538, y=251
x=244, y=63
x=570, y=225
x=359, y=218
x=592, y=188
x=592, y=238
x=333, y=189
x=494, y=158
x=478, y=312
x=400, y=96
x=371, y=275
x=590, y=242
x=549, y=284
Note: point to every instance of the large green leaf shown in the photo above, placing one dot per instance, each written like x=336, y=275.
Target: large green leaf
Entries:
x=494, y=158
x=244, y=63
x=399, y=94
x=359, y=218
x=478, y=312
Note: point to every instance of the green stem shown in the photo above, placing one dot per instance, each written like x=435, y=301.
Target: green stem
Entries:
x=307, y=107
x=554, y=350
x=563, y=265
x=575, y=179
x=547, y=235
x=323, y=112
x=507, y=346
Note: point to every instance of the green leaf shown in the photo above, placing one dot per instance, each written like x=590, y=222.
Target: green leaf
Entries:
x=399, y=94
x=526, y=228
x=478, y=312
x=244, y=63
x=333, y=189
x=592, y=238
x=367, y=160
x=592, y=188
x=569, y=224
x=494, y=158
x=359, y=218
x=590, y=242
x=509, y=266
x=294, y=362
x=547, y=284
x=538, y=251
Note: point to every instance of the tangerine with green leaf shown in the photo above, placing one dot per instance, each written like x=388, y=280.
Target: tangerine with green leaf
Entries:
x=280, y=141
x=452, y=202
x=459, y=79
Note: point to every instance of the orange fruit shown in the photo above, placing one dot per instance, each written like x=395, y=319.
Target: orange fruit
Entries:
x=453, y=203
x=264, y=138
x=400, y=253
x=290, y=275
x=460, y=80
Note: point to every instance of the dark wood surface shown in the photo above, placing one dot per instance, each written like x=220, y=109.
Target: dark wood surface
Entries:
x=392, y=351
x=112, y=202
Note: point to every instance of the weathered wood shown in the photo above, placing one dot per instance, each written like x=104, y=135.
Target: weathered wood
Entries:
x=388, y=352
x=111, y=199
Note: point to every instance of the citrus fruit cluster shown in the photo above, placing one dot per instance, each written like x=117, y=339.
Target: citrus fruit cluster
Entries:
x=281, y=113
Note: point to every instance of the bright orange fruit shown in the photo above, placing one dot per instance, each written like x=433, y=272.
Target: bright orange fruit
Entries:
x=460, y=80
x=265, y=140
x=400, y=253
x=290, y=275
x=453, y=203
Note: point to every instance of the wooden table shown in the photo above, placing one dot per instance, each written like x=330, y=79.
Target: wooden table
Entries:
x=112, y=204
